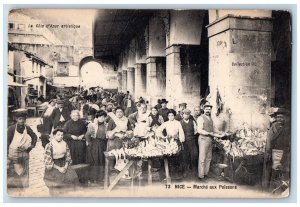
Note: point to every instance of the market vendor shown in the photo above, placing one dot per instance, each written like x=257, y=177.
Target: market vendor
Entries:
x=20, y=141
x=190, y=151
x=57, y=158
x=174, y=131
x=277, y=152
x=75, y=130
x=118, y=128
x=138, y=120
x=154, y=119
x=173, y=128
x=206, y=130
x=96, y=146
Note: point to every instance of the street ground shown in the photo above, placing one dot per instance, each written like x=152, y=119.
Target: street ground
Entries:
x=214, y=187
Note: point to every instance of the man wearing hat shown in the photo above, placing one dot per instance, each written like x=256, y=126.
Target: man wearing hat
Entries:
x=60, y=115
x=179, y=116
x=189, y=154
x=20, y=141
x=163, y=111
x=205, y=128
x=158, y=105
x=277, y=154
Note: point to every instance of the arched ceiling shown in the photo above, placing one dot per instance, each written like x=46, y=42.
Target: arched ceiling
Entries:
x=113, y=29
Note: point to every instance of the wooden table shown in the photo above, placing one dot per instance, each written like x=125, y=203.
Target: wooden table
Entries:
x=130, y=165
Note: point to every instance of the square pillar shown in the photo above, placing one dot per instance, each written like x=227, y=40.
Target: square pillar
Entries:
x=156, y=79
x=184, y=65
x=130, y=80
x=240, y=68
x=140, y=80
x=119, y=79
x=124, y=81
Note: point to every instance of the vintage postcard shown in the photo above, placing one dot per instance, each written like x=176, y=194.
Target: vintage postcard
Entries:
x=149, y=103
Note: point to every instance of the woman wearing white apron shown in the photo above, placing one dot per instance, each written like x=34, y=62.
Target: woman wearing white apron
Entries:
x=118, y=131
x=20, y=141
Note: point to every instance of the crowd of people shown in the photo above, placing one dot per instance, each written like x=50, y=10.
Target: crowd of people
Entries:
x=79, y=128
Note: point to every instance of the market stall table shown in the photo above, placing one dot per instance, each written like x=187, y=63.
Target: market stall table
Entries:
x=131, y=163
x=244, y=158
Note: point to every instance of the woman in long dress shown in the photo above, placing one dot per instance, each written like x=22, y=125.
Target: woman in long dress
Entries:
x=57, y=157
x=174, y=131
x=96, y=146
x=75, y=130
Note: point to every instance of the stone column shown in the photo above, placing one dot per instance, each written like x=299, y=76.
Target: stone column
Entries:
x=124, y=81
x=240, y=68
x=119, y=79
x=130, y=80
x=184, y=65
x=140, y=80
x=156, y=78
x=173, y=75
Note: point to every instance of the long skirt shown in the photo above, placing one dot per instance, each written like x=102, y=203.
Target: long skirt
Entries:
x=78, y=151
x=55, y=179
x=19, y=180
x=96, y=158
x=47, y=123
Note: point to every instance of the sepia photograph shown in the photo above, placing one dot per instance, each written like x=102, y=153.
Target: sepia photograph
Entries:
x=148, y=103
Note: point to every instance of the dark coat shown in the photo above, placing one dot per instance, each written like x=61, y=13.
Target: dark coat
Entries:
x=55, y=117
x=277, y=138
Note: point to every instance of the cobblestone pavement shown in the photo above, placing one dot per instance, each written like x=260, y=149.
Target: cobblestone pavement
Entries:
x=37, y=187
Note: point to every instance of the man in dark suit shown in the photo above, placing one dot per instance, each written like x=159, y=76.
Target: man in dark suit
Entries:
x=163, y=111
x=60, y=115
x=276, y=167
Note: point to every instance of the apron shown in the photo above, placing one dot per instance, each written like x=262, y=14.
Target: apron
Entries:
x=17, y=154
x=19, y=145
x=140, y=129
x=121, y=125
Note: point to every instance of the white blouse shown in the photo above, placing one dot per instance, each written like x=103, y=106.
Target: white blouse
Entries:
x=173, y=128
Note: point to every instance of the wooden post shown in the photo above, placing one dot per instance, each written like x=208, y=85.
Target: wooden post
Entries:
x=132, y=174
x=168, y=178
x=116, y=180
x=106, y=172
x=149, y=172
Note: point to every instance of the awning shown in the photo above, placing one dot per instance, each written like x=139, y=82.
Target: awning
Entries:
x=11, y=83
